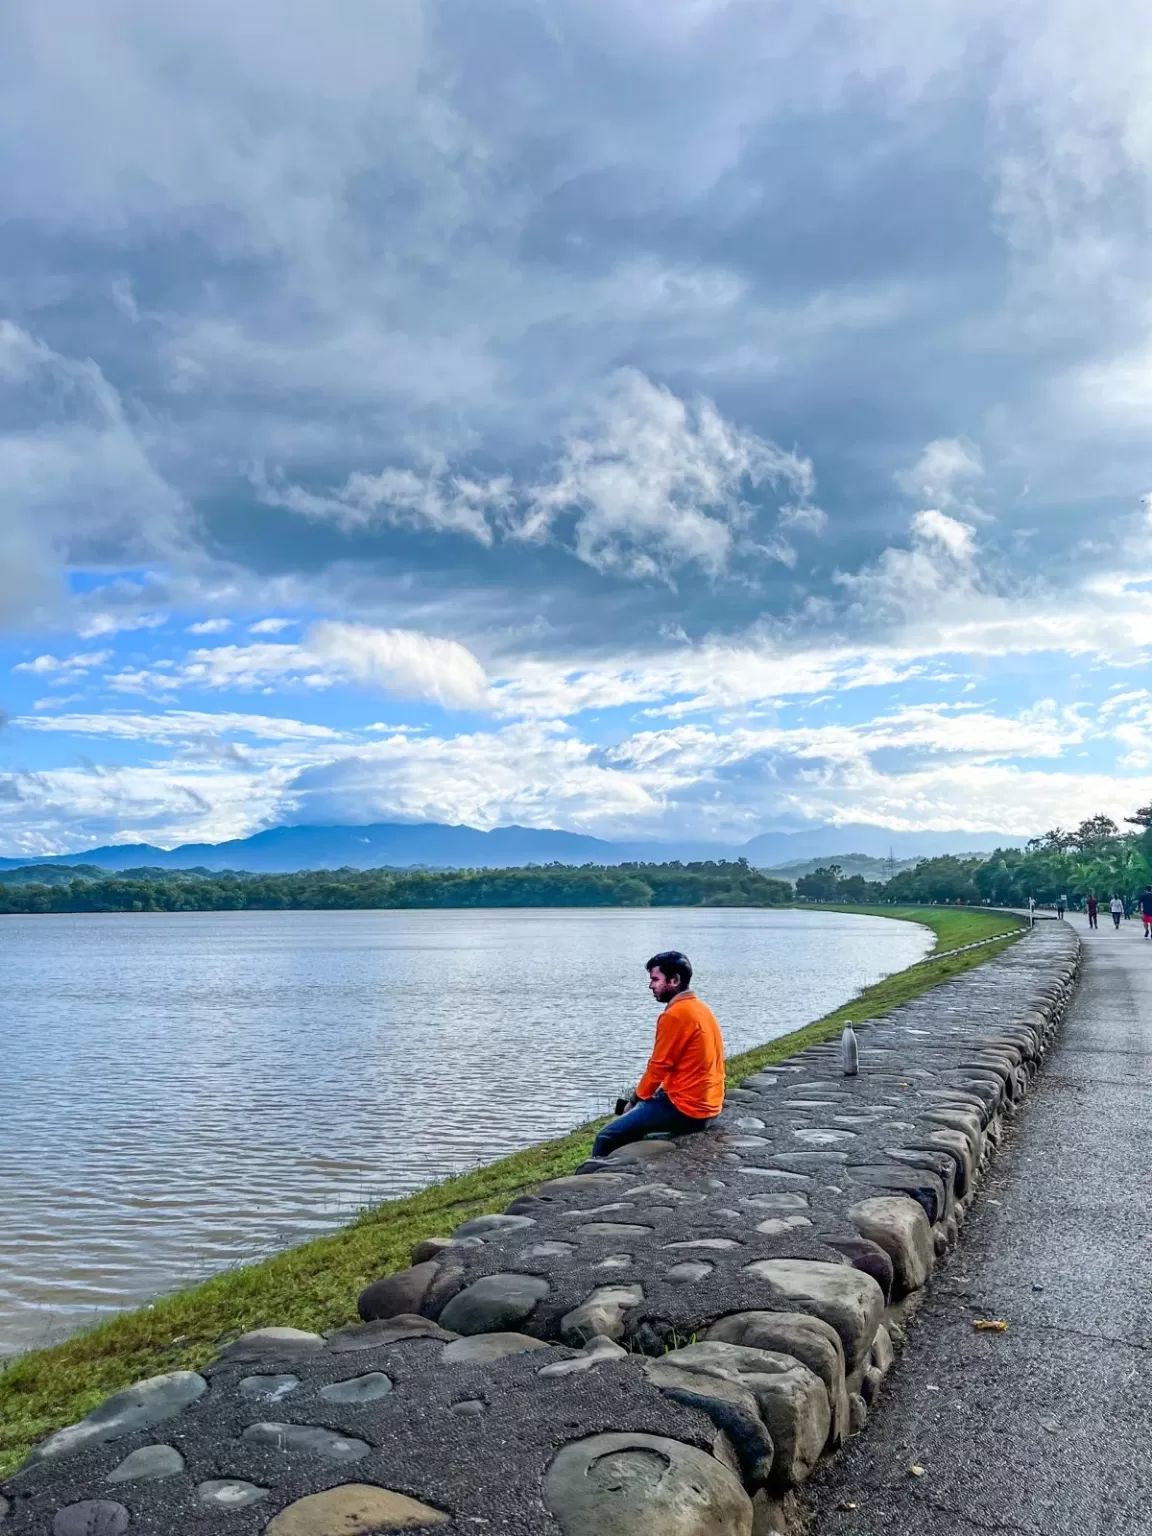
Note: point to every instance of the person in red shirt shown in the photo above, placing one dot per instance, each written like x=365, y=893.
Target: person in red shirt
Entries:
x=1093, y=909
x=682, y=1089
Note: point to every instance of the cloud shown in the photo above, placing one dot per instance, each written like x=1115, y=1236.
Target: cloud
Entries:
x=654, y=485
x=404, y=663
x=210, y=627
x=946, y=462
x=547, y=371
x=179, y=725
x=435, y=500
x=65, y=669
x=646, y=485
x=76, y=482
x=95, y=625
x=938, y=573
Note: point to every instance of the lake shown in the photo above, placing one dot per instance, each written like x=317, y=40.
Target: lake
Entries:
x=187, y=1091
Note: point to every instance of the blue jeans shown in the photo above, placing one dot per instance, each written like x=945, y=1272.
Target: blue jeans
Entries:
x=655, y=1114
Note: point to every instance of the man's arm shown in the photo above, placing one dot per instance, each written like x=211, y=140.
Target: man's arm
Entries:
x=666, y=1052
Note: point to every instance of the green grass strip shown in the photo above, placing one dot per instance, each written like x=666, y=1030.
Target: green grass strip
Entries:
x=315, y=1285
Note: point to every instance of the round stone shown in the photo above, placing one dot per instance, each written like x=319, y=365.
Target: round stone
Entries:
x=94, y=1517
x=229, y=1493
x=358, y=1389
x=663, y=1192
x=777, y=1226
x=268, y=1389
x=786, y=1200
x=602, y=1210
x=353, y=1510
x=618, y=1229
x=634, y=1485
x=148, y=1464
x=469, y=1407
x=846, y=1298
x=601, y=1314
x=493, y=1304
x=690, y=1272
x=493, y=1226
x=720, y=1244
x=401, y=1294
x=482, y=1348
x=307, y=1439
x=137, y=1407
x=549, y=1251
x=273, y=1344
x=392, y=1330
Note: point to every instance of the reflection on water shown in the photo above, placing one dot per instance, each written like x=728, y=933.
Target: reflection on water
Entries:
x=182, y=1092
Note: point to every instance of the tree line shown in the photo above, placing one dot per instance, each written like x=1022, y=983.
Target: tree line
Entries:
x=1096, y=858
x=712, y=883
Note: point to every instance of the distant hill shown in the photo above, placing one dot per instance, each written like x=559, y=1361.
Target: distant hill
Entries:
x=849, y=863
x=771, y=849
x=434, y=845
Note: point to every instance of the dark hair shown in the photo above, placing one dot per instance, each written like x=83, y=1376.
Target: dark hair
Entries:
x=672, y=963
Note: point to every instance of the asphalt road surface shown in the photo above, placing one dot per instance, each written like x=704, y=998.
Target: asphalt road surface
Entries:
x=1046, y=1429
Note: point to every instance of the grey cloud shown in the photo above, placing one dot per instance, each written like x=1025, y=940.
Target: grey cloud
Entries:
x=854, y=226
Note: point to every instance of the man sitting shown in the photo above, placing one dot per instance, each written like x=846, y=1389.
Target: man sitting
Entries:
x=682, y=1089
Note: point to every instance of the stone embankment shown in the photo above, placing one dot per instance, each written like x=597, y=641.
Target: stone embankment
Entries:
x=667, y=1342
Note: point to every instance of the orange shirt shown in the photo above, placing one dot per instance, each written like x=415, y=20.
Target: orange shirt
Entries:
x=687, y=1060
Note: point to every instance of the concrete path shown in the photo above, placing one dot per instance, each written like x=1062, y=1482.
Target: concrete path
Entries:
x=1045, y=1429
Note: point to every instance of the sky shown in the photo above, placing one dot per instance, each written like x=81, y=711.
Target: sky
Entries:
x=653, y=418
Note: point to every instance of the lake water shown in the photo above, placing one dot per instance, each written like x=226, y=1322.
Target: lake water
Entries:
x=183, y=1092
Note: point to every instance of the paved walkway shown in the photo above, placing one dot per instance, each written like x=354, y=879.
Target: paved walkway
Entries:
x=1043, y=1430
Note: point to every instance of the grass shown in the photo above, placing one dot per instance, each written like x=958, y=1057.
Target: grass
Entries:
x=315, y=1286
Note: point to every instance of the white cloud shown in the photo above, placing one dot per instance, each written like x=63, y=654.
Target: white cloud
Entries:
x=931, y=767
x=937, y=574
x=210, y=627
x=648, y=484
x=405, y=663
x=945, y=464
x=654, y=485
x=64, y=669
x=436, y=500
x=178, y=725
x=270, y=626
x=956, y=538
x=63, y=810
x=96, y=625
x=533, y=775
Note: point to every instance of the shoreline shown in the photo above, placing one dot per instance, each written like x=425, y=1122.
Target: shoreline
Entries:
x=314, y=1286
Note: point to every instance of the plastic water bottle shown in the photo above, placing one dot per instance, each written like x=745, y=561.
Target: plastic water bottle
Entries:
x=849, y=1051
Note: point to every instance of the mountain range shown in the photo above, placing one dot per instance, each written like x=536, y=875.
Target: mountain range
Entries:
x=435, y=845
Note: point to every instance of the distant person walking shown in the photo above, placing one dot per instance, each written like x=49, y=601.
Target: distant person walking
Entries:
x=1116, y=907
x=1061, y=904
x=1146, y=910
x=1093, y=909
x=682, y=1089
